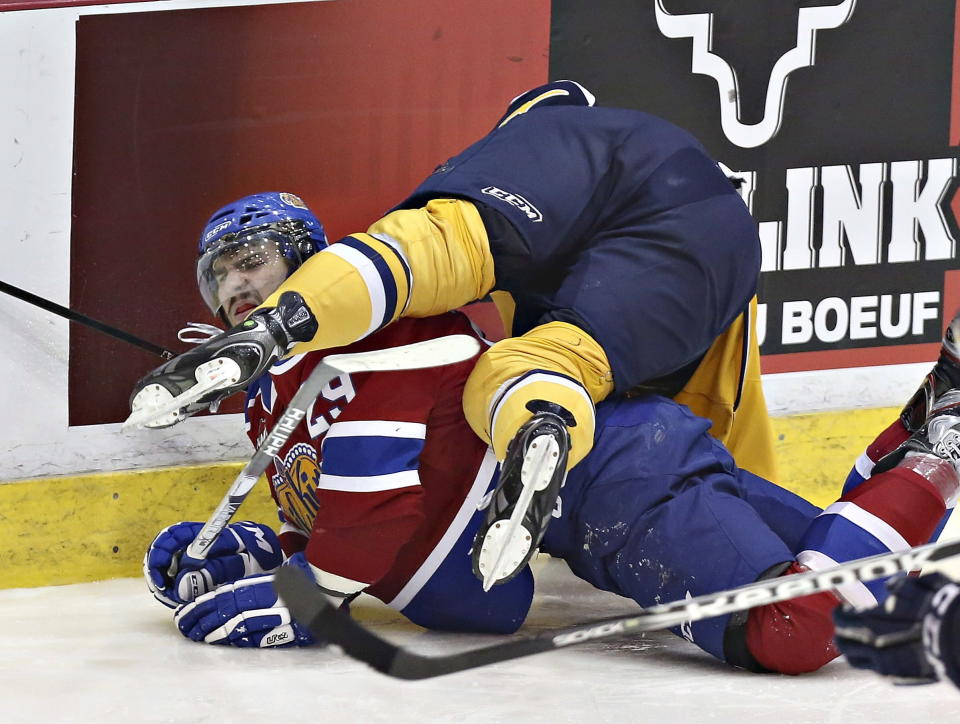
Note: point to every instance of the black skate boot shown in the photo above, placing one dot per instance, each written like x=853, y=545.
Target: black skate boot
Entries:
x=222, y=365
x=944, y=376
x=938, y=439
x=519, y=509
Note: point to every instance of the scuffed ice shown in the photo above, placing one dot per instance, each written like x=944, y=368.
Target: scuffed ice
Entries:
x=107, y=652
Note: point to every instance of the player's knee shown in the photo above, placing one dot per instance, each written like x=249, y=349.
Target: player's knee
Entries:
x=489, y=621
x=467, y=609
x=793, y=637
x=498, y=423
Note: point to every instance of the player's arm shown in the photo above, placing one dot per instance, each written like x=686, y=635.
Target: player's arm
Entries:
x=369, y=504
x=413, y=262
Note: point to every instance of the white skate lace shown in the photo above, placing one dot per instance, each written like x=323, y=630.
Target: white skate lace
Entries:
x=198, y=333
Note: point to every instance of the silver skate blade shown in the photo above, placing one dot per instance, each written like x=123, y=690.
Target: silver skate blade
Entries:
x=537, y=469
x=150, y=405
x=154, y=406
x=513, y=552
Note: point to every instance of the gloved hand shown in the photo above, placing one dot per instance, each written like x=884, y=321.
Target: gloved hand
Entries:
x=247, y=613
x=911, y=637
x=242, y=549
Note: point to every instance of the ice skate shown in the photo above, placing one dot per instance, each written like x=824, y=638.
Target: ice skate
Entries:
x=519, y=510
x=217, y=368
x=944, y=376
x=938, y=437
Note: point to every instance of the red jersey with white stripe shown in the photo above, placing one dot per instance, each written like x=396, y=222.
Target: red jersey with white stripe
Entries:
x=372, y=480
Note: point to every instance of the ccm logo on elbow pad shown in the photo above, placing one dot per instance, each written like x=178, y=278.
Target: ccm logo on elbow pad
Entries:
x=531, y=211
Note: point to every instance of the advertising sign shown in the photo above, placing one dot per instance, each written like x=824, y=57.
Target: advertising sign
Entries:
x=841, y=117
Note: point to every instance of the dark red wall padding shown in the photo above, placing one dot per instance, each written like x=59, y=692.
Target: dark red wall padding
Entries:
x=348, y=104
x=41, y=4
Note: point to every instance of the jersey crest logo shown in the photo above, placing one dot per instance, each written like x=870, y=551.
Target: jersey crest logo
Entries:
x=824, y=15
x=529, y=210
x=295, y=484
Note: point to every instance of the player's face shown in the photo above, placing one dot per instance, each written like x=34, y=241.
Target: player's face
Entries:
x=246, y=276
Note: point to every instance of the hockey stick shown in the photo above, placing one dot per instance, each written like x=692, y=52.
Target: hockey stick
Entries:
x=73, y=316
x=431, y=353
x=313, y=609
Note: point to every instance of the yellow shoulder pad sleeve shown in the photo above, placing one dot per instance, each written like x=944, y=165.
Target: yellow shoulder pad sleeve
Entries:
x=353, y=287
x=446, y=246
x=411, y=263
x=557, y=362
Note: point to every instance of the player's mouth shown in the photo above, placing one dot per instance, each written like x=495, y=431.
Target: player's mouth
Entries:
x=242, y=309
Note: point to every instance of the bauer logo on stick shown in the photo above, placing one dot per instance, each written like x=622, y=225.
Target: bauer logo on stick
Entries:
x=281, y=432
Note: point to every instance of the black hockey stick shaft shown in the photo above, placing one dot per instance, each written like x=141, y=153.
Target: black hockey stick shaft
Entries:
x=311, y=608
x=83, y=319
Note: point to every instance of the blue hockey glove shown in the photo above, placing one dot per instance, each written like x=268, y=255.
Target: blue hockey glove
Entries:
x=243, y=549
x=911, y=636
x=246, y=614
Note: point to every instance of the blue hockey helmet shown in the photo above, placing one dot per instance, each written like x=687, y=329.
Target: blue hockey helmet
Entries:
x=269, y=223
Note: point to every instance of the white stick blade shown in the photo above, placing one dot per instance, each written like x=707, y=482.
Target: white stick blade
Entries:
x=431, y=353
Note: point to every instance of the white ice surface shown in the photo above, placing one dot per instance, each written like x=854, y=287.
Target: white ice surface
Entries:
x=107, y=652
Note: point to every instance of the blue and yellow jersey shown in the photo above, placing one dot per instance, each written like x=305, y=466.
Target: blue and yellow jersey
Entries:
x=622, y=257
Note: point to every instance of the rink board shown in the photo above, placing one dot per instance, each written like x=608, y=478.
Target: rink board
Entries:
x=71, y=529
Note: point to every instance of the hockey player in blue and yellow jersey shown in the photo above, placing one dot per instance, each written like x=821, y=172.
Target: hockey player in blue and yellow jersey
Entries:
x=621, y=257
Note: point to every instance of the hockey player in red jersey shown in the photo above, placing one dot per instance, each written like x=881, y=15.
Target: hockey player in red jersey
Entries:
x=364, y=494
x=379, y=491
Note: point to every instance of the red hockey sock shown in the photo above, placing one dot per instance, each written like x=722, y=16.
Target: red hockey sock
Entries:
x=904, y=500
x=888, y=440
x=793, y=637
x=796, y=636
